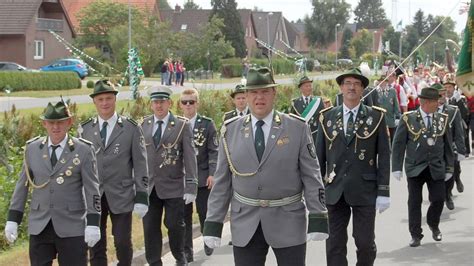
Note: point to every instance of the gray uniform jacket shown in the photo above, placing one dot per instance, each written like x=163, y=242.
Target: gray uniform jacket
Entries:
x=412, y=144
x=68, y=194
x=122, y=163
x=288, y=167
x=358, y=168
x=387, y=99
x=173, y=169
x=206, y=142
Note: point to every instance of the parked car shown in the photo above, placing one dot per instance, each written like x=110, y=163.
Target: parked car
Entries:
x=311, y=65
x=11, y=66
x=344, y=62
x=68, y=64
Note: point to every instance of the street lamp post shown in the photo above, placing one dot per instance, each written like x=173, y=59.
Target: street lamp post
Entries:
x=268, y=34
x=335, y=34
x=434, y=51
x=400, y=47
x=375, y=52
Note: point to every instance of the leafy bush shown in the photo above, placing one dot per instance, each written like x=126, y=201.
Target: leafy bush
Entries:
x=29, y=81
x=90, y=84
x=233, y=67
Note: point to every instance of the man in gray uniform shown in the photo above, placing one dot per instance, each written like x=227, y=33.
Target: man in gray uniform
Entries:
x=65, y=204
x=266, y=165
x=307, y=106
x=205, y=141
x=354, y=153
x=123, y=172
x=173, y=171
x=457, y=133
x=423, y=135
x=240, y=103
x=387, y=99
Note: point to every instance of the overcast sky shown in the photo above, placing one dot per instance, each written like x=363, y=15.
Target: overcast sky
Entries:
x=294, y=9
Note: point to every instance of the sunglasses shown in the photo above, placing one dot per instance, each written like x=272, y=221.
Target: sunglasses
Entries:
x=186, y=102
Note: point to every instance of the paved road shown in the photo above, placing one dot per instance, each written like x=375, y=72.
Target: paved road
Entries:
x=26, y=102
x=392, y=237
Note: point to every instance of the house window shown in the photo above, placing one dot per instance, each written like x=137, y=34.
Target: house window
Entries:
x=39, y=50
x=184, y=27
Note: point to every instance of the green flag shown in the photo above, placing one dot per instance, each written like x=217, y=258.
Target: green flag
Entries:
x=464, y=74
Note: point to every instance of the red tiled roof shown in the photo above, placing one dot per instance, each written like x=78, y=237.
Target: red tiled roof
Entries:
x=16, y=16
x=74, y=6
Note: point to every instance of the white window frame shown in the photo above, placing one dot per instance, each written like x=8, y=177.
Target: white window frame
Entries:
x=39, y=50
x=184, y=27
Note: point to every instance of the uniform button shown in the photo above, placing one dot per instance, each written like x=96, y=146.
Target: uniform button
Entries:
x=259, y=188
x=347, y=148
x=345, y=174
x=346, y=161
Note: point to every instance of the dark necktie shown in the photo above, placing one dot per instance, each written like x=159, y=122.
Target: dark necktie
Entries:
x=54, y=158
x=306, y=101
x=259, y=140
x=103, y=132
x=428, y=122
x=157, y=136
x=350, y=126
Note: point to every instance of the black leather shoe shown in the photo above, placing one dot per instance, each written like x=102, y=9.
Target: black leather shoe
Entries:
x=208, y=250
x=189, y=258
x=459, y=186
x=437, y=236
x=450, y=203
x=415, y=242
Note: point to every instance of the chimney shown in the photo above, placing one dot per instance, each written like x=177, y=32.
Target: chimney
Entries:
x=177, y=9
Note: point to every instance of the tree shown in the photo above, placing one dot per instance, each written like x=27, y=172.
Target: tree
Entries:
x=164, y=5
x=370, y=14
x=419, y=23
x=191, y=5
x=362, y=42
x=98, y=18
x=320, y=27
x=346, y=43
x=233, y=29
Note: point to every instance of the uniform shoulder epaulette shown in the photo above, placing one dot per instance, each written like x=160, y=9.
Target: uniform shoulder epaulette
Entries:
x=182, y=118
x=86, y=121
x=206, y=118
x=32, y=139
x=379, y=109
x=131, y=120
x=297, y=117
x=443, y=114
x=229, y=112
x=454, y=106
x=85, y=141
x=230, y=120
x=326, y=109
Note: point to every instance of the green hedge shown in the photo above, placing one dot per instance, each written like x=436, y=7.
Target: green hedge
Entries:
x=233, y=67
x=38, y=81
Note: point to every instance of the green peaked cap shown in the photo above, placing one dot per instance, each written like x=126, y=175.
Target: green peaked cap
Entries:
x=355, y=73
x=103, y=86
x=260, y=78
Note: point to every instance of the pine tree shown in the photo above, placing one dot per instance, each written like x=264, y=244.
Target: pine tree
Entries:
x=346, y=43
x=233, y=29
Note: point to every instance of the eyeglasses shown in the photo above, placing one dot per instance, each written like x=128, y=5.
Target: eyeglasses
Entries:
x=186, y=102
x=352, y=84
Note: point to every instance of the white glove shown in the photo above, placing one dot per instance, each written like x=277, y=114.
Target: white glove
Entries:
x=397, y=121
x=92, y=235
x=397, y=175
x=140, y=209
x=448, y=176
x=316, y=236
x=189, y=198
x=212, y=241
x=457, y=95
x=461, y=157
x=11, y=231
x=382, y=203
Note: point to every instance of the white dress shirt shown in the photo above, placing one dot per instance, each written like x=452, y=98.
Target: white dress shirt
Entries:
x=347, y=112
x=110, y=125
x=192, y=121
x=425, y=117
x=59, y=150
x=265, y=127
x=163, y=126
